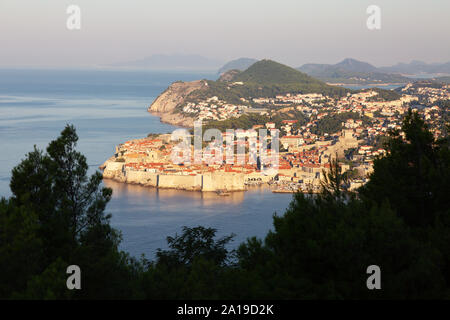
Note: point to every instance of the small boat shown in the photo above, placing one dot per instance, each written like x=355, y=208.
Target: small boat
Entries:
x=222, y=193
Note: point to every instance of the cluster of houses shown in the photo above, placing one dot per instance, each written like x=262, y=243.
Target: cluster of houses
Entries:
x=280, y=100
x=429, y=92
x=299, y=167
x=213, y=109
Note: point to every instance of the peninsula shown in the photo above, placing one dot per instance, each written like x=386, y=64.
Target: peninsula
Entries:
x=316, y=122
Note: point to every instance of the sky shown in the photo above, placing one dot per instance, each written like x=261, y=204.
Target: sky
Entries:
x=34, y=33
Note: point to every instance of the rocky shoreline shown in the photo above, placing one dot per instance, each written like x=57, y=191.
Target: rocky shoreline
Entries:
x=174, y=119
x=166, y=103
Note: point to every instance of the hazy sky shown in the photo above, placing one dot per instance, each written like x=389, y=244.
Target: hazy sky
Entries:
x=34, y=33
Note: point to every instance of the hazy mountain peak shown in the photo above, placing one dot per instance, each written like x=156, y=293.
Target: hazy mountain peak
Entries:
x=354, y=65
x=350, y=71
x=418, y=67
x=417, y=63
x=237, y=64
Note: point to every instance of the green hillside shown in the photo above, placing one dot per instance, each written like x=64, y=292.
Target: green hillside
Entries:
x=284, y=79
x=264, y=78
x=271, y=72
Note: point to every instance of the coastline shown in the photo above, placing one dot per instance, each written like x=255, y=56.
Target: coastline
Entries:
x=218, y=192
x=173, y=119
x=164, y=106
x=204, y=181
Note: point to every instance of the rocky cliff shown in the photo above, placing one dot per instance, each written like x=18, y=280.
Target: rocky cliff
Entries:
x=164, y=106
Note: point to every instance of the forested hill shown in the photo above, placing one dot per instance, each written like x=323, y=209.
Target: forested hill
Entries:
x=271, y=72
x=267, y=77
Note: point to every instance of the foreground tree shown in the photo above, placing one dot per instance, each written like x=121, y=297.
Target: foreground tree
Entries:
x=334, y=182
x=414, y=176
x=196, y=265
x=55, y=185
x=322, y=245
x=194, y=243
x=55, y=198
x=415, y=179
x=21, y=249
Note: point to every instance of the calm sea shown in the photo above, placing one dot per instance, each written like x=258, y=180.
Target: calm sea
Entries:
x=385, y=87
x=107, y=108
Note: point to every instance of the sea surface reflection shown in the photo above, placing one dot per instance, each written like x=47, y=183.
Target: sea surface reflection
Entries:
x=146, y=216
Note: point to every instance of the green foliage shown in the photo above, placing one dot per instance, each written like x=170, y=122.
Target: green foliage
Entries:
x=196, y=266
x=334, y=182
x=195, y=243
x=332, y=123
x=286, y=79
x=321, y=248
x=247, y=121
x=215, y=88
x=48, y=285
x=414, y=177
x=271, y=72
x=263, y=79
x=20, y=247
x=76, y=203
x=54, y=219
x=380, y=141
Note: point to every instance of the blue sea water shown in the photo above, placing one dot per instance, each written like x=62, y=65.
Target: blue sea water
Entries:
x=385, y=87
x=107, y=108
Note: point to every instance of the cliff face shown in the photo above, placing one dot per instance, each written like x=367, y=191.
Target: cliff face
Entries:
x=164, y=106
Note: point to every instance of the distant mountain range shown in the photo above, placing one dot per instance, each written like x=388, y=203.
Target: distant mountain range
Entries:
x=417, y=67
x=238, y=64
x=354, y=65
x=351, y=71
x=172, y=62
x=267, y=78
